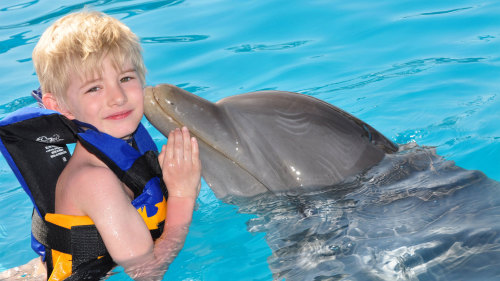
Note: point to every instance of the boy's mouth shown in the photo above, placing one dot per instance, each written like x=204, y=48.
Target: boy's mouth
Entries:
x=119, y=115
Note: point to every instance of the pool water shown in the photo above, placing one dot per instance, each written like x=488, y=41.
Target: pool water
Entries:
x=417, y=71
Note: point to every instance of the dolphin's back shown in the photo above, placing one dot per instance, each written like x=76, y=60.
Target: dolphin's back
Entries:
x=288, y=140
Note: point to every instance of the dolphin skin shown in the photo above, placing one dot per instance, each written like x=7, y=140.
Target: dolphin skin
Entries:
x=275, y=141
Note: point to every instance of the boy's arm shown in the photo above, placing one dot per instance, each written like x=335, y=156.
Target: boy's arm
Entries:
x=181, y=168
x=124, y=232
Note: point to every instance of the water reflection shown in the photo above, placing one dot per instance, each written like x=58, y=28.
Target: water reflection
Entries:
x=244, y=48
x=415, y=216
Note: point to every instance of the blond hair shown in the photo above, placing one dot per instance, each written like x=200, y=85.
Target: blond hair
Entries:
x=78, y=43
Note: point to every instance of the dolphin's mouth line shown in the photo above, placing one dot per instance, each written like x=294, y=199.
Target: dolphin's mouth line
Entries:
x=153, y=89
x=204, y=141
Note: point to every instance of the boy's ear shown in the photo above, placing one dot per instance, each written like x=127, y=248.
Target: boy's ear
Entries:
x=50, y=102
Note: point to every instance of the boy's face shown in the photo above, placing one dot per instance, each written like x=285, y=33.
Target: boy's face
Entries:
x=113, y=101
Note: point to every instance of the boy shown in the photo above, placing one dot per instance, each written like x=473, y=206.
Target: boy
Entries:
x=91, y=69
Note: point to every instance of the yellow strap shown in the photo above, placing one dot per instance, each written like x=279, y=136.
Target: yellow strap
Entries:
x=68, y=221
x=62, y=266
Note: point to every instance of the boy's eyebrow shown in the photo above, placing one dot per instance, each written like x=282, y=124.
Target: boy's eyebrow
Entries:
x=86, y=83
x=128, y=70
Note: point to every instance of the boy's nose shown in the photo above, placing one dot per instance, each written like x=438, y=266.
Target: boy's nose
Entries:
x=117, y=96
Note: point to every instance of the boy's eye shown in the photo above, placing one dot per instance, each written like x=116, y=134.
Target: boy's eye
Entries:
x=93, y=89
x=126, y=79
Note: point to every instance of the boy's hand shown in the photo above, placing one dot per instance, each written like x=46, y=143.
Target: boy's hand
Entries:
x=181, y=165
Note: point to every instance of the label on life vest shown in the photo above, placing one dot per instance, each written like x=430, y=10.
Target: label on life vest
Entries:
x=55, y=151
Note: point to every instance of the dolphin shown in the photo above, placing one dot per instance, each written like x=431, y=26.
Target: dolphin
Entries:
x=344, y=205
x=268, y=141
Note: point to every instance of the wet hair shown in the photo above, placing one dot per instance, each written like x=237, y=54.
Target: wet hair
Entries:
x=77, y=43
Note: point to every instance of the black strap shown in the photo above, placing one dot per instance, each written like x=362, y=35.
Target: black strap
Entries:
x=82, y=242
x=143, y=170
x=59, y=238
x=92, y=270
x=86, y=244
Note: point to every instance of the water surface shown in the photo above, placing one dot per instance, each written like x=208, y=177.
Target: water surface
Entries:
x=418, y=71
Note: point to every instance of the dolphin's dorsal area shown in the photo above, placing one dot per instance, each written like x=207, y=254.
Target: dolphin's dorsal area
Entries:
x=270, y=140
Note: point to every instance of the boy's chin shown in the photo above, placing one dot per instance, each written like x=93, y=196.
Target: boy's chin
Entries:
x=119, y=130
x=122, y=134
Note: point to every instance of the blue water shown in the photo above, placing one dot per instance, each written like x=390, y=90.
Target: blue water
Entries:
x=418, y=71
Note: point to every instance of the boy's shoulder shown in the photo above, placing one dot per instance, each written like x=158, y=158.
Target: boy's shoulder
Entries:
x=86, y=183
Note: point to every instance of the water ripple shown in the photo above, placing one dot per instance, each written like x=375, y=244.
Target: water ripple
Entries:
x=439, y=12
x=486, y=37
x=63, y=10
x=404, y=69
x=15, y=105
x=173, y=39
x=471, y=107
x=16, y=40
x=3, y=231
x=130, y=10
x=136, y=9
x=19, y=6
x=192, y=88
x=266, y=47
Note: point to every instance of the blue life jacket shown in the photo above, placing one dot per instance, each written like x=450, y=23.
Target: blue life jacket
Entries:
x=34, y=143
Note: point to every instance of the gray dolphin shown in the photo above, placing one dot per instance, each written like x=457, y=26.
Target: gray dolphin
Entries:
x=414, y=215
x=269, y=140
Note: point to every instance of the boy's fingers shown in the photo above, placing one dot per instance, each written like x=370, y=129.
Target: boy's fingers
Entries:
x=195, y=152
x=187, y=143
x=178, y=146
x=170, y=145
x=161, y=156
